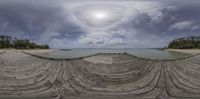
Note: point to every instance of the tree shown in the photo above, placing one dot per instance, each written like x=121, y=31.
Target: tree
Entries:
x=8, y=42
x=185, y=43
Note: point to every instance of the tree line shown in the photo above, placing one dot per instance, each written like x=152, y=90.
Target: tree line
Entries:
x=9, y=42
x=185, y=43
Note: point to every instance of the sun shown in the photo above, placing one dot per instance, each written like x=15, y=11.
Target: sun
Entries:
x=100, y=15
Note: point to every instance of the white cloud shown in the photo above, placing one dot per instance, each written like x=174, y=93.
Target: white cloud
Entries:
x=195, y=27
x=134, y=32
x=156, y=16
x=112, y=14
x=47, y=36
x=117, y=41
x=3, y=25
x=105, y=38
x=181, y=25
x=64, y=43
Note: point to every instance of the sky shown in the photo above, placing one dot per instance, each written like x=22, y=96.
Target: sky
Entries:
x=100, y=24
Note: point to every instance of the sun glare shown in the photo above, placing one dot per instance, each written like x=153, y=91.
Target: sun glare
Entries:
x=100, y=15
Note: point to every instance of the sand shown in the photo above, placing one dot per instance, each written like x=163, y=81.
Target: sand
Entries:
x=38, y=51
x=35, y=51
x=187, y=51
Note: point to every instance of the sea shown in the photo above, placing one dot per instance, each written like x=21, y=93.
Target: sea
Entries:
x=150, y=53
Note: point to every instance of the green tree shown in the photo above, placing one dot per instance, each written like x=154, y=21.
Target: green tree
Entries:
x=185, y=43
x=8, y=42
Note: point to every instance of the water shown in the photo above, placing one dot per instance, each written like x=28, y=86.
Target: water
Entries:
x=144, y=53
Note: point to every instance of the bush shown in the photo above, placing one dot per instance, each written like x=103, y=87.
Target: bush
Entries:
x=185, y=43
x=8, y=42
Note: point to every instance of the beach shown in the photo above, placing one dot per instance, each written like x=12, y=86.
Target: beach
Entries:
x=38, y=51
x=33, y=51
x=143, y=53
x=187, y=51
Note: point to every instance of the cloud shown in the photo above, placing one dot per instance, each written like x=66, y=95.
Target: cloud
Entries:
x=86, y=15
x=144, y=23
x=105, y=38
x=37, y=22
x=181, y=25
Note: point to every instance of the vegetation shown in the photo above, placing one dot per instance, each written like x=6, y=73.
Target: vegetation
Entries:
x=185, y=43
x=9, y=42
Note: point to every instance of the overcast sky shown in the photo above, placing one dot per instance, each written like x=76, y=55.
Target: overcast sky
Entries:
x=95, y=23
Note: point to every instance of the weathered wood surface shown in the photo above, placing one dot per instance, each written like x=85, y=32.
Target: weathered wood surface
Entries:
x=100, y=76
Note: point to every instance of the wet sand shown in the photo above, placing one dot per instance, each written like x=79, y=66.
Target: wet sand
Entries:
x=187, y=51
x=35, y=51
x=38, y=51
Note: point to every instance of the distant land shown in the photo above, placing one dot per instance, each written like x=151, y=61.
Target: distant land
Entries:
x=65, y=49
x=7, y=42
x=192, y=42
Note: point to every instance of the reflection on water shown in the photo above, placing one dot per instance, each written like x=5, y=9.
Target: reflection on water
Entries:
x=145, y=53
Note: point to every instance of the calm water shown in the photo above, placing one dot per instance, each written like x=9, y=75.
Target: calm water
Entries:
x=145, y=53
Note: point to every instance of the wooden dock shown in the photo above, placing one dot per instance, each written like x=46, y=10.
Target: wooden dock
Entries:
x=100, y=76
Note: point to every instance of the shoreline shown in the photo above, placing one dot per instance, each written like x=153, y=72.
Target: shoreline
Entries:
x=186, y=51
x=33, y=51
x=39, y=51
